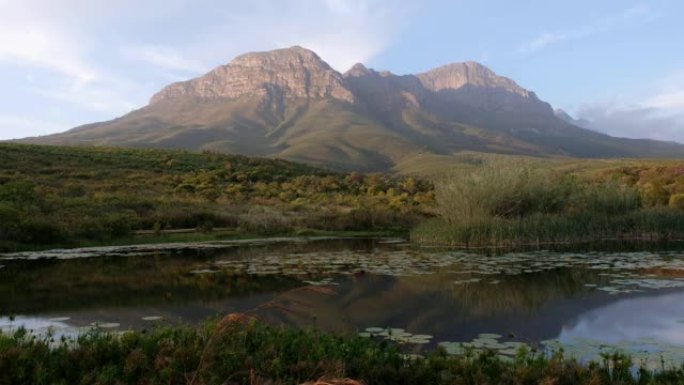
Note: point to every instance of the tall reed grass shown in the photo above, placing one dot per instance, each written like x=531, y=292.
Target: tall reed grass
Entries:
x=515, y=204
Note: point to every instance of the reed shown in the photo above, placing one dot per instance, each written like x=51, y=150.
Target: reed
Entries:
x=513, y=204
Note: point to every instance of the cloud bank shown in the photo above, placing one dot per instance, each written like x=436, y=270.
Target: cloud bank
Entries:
x=658, y=115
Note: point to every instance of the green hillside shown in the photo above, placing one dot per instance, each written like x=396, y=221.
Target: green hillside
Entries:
x=79, y=195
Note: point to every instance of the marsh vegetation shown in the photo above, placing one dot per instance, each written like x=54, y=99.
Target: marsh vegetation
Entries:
x=514, y=203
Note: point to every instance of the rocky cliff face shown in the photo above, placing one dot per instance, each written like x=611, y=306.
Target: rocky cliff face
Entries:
x=285, y=73
x=457, y=75
x=476, y=86
x=383, y=92
x=295, y=72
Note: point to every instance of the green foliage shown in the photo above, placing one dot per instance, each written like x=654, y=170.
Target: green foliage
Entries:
x=68, y=195
x=239, y=351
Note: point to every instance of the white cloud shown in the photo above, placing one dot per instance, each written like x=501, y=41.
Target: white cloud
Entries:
x=669, y=101
x=659, y=115
x=107, y=57
x=634, y=121
x=41, y=44
x=342, y=32
x=542, y=41
x=639, y=13
x=162, y=57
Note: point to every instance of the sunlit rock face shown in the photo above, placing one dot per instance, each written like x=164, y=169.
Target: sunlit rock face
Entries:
x=285, y=73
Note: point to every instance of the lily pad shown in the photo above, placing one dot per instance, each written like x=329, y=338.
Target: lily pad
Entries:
x=489, y=335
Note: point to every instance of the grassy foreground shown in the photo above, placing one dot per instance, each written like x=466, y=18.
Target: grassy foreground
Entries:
x=238, y=350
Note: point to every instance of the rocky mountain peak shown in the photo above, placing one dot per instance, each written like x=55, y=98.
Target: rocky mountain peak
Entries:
x=293, y=72
x=293, y=56
x=358, y=70
x=457, y=75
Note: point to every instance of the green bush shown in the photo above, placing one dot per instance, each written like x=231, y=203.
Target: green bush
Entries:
x=39, y=230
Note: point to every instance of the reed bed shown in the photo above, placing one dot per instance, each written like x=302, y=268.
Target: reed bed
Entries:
x=513, y=204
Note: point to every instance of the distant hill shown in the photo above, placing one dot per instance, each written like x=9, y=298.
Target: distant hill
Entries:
x=290, y=104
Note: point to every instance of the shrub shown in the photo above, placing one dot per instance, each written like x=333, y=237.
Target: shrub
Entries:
x=677, y=201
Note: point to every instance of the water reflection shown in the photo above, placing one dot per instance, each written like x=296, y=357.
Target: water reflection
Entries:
x=659, y=318
x=353, y=285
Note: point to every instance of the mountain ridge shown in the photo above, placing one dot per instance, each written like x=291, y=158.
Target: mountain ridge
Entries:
x=290, y=103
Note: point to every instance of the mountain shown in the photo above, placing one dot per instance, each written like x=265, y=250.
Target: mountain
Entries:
x=291, y=104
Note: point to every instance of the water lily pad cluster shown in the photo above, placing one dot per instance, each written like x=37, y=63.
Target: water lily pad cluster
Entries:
x=618, y=273
x=393, y=263
x=408, y=262
x=397, y=335
x=484, y=342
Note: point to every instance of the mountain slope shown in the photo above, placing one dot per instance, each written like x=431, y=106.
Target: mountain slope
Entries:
x=289, y=103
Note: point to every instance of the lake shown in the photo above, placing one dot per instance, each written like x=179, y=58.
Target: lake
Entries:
x=421, y=298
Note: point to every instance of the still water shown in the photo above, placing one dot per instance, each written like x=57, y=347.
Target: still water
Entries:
x=587, y=302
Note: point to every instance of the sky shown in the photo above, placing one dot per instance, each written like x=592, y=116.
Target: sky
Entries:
x=616, y=63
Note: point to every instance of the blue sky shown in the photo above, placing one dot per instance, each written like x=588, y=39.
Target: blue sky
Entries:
x=619, y=63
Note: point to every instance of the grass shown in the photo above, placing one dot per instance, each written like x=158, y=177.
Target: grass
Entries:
x=644, y=226
x=515, y=203
x=240, y=350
